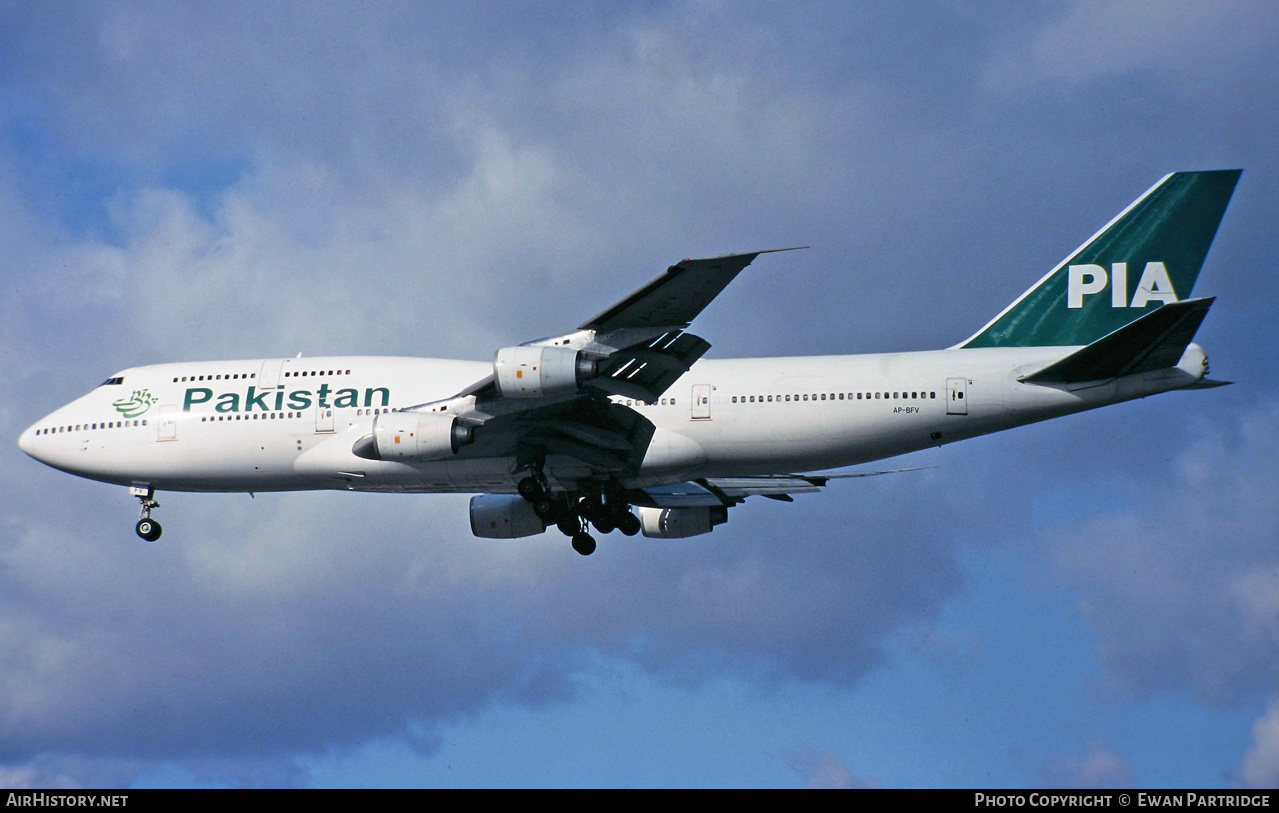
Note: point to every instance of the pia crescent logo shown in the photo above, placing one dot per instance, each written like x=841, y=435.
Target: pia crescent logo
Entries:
x=136, y=404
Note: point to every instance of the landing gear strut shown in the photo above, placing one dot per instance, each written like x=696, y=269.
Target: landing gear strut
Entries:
x=607, y=509
x=535, y=487
x=147, y=528
x=536, y=490
x=603, y=506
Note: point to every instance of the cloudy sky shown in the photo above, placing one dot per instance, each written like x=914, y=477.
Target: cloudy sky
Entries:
x=1090, y=602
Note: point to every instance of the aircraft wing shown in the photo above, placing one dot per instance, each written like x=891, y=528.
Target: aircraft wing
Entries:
x=549, y=398
x=594, y=434
x=674, y=299
x=725, y=491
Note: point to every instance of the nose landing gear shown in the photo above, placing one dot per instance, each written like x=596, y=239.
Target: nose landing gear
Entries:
x=146, y=528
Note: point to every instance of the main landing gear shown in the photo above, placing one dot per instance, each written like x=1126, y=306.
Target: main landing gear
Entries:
x=147, y=528
x=574, y=514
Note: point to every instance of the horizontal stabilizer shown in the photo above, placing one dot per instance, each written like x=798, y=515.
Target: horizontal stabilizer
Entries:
x=1154, y=342
x=1208, y=384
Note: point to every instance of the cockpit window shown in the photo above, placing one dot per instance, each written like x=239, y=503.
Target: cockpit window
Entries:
x=112, y=381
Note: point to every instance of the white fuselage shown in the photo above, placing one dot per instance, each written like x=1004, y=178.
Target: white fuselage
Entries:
x=290, y=424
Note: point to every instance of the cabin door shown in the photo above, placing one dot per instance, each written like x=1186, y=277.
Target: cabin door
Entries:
x=701, y=402
x=956, y=396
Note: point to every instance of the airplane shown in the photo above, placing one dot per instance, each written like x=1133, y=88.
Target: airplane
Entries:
x=622, y=425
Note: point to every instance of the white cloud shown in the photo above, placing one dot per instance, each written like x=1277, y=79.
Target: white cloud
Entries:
x=252, y=615
x=1097, y=40
x=1261, y=764
x=1183, y=589
x=393, y=189
x=1098, y=767
x=823, y=770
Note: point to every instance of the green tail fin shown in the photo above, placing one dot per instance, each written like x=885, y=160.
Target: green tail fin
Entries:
x=1147, y=256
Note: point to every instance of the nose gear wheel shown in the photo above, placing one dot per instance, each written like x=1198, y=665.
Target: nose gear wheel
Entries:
x=147, y=528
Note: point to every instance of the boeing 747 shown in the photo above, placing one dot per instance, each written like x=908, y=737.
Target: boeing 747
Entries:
x=622, y=425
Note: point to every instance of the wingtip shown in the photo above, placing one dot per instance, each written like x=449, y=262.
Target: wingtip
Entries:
x=739, y=254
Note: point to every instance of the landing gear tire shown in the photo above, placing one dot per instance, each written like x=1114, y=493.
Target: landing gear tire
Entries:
x=148, y=529
x=530, y=490
x=605, y=524
x=588, y=507
x=583, y=543
x=546, y=510
x=569, y=524
x=629, y=524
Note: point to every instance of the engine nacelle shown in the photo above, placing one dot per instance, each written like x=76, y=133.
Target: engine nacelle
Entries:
x=534, y=372
x=504, y=516
x=414, y=436
x=677, y=523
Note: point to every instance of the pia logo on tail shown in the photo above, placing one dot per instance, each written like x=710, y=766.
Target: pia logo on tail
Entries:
x=1086, y=280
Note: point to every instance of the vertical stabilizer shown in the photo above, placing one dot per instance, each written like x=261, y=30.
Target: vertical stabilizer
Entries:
x=1150, y=255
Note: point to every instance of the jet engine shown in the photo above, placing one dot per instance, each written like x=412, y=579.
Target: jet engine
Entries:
x=677, y=523
x=414, y=436
x=534, y=372
x=504, y=516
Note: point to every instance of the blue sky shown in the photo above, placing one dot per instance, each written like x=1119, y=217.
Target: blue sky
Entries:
x=1089, y=602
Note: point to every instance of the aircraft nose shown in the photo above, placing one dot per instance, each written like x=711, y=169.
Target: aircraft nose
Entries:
x=25, y=441
x=29, y=440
